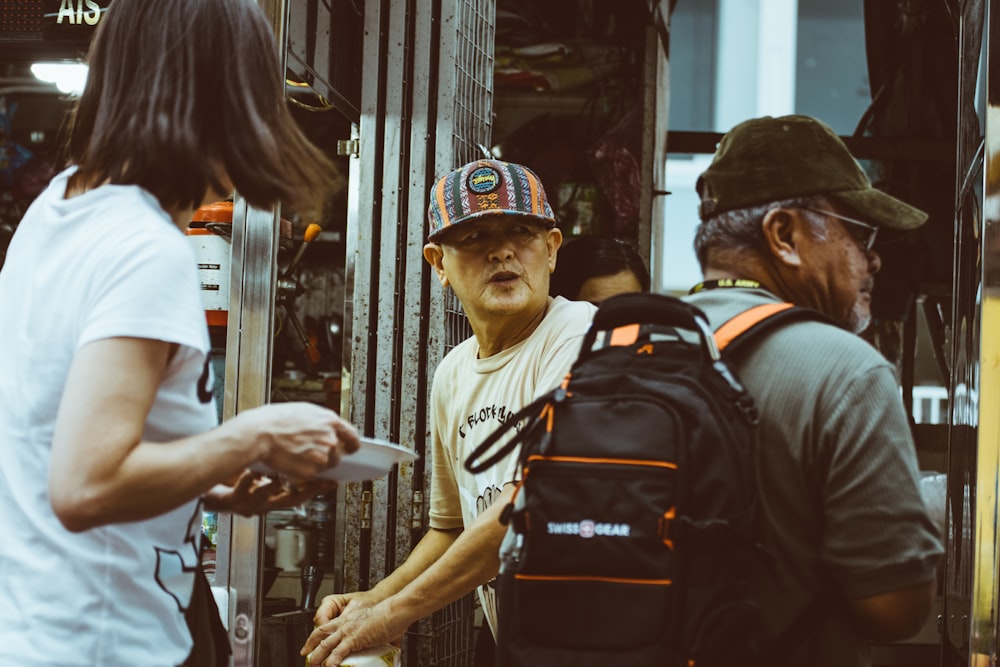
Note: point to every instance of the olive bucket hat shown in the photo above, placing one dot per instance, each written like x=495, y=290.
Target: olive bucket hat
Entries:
x=769, y=159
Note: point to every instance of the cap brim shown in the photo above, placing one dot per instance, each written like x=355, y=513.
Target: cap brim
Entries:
x=472, y=217
x=882, y=209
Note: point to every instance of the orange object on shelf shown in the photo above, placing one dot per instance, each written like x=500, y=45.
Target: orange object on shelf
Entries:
x=220, y=211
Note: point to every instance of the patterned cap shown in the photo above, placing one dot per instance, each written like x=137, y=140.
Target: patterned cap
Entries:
x=487, y=187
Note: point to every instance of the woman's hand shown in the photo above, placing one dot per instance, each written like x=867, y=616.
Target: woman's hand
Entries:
x=254, y=493
x=297, y=440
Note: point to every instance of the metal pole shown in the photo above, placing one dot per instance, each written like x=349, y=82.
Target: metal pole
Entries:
x=249, y=347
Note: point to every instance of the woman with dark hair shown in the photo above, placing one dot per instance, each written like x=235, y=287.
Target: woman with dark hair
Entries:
x=592, y=268
x=109, y=446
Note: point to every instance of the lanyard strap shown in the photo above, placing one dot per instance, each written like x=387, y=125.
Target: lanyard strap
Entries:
x=744, y=283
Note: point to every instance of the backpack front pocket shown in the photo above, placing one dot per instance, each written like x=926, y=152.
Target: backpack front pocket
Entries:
x=591, y=614
x=598, y=519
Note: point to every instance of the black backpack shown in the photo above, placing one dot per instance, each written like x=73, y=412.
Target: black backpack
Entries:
x=630, y=535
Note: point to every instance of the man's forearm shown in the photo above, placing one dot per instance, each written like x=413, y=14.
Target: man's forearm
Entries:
x=471, y=561
x=431, y=547
x=893, y=616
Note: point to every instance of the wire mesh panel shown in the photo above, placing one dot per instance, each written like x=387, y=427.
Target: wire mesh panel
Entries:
x=452, y=634
x=476, y=26
x=475, y=22
x=456, y=325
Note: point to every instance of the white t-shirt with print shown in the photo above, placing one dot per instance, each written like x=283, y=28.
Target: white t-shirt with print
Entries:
x=471, y=397
x=107, y=263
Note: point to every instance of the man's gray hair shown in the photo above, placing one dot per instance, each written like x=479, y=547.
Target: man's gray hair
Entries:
x=740, y=229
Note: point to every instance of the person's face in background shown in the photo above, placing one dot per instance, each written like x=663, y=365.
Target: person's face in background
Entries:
x=599, y=288
x=594, y=268
x=836, y=270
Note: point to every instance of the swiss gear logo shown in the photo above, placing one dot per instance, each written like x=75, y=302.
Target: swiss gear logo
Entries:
x=587, y=529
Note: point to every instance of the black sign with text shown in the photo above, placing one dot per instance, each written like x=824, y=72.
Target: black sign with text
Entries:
x=62, y=28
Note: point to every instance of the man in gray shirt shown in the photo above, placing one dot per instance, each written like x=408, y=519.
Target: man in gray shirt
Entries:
x=789, y=216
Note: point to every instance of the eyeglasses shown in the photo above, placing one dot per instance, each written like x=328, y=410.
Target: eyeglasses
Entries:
x=867, y=238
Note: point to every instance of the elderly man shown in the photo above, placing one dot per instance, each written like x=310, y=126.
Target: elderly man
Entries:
x=788, y=215
x=493, y=240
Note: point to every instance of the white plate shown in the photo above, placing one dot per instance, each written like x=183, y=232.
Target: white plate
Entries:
x=373, y=459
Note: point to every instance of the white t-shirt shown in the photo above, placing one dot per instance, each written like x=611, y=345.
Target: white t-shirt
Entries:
x=471, y=397
x=106, y=263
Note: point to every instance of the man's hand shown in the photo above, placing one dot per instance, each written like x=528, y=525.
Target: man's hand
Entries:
x=343, y=612
x=357, y=626
x=333, y=606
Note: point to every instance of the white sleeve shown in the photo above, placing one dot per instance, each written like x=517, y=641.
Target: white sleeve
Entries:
x=148, y=290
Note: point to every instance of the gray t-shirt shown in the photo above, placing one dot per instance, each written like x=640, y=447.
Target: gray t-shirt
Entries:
x=838, y=484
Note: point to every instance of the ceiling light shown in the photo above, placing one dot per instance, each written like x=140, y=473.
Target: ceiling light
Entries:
x=68, y=77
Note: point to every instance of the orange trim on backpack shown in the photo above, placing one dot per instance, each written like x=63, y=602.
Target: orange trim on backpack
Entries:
x=565, y=382
x=624, y=336
x=665, y=521
x=728, y=332
x=547, y=413
x=583, y=459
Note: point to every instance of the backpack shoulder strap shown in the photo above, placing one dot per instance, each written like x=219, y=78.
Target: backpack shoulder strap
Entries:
x=741, y=328
x=530, y=412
